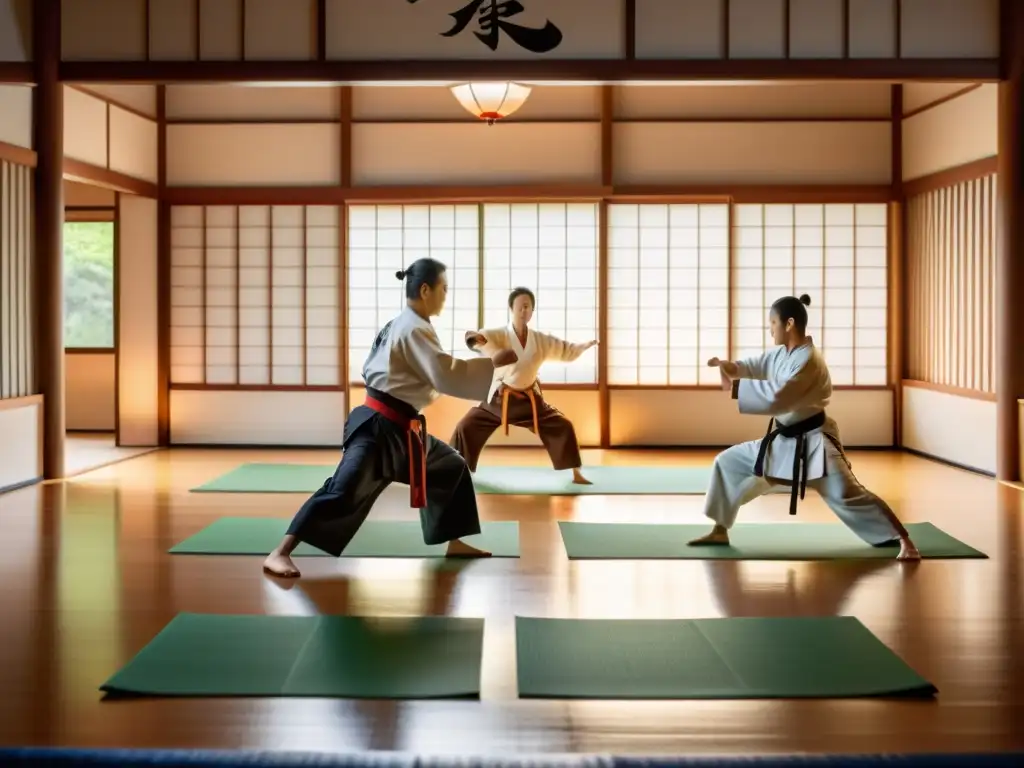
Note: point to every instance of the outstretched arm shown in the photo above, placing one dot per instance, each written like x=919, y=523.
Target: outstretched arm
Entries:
x=748, y=368
x=486, y=341
x=466, y=379
x=561, y=350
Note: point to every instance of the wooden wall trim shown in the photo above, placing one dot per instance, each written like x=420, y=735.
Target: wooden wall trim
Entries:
x=338, y=195
x=469, y=120
x=932, y=104
x=256, y=388
x=977, y=169
x=758, y=193
x=112, y=102
x=17, y=72
x=89, y=350
x=971, y=394
x=13, y=403
x=76, y=170
x=12, y=153
x=603, y=70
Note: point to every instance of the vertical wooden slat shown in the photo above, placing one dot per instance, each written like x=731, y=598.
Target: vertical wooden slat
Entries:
x=629, y=29
x=5, y=281
x=730, y=342
x=241, y=29
x=270, y=297
x=604, y=395
x=145, y=22
x=480, y=263
x=238, y=294
x=343, y=374
x=786, y=23
x=725, y=29
x=305, y=298
x=321, y=29
x=846, y=32
x=203, y=291
x=898, y=27
x=854, y=290
x=197, y=30
x=21, y=280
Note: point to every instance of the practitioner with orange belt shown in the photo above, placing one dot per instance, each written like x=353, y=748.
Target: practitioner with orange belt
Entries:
x=515, y=397
x=386, y=438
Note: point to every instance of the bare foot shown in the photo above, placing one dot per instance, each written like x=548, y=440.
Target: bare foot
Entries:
x=459, y=548
x=280, y=565
x=579, y=479
x=719, y=536
x=908, y=551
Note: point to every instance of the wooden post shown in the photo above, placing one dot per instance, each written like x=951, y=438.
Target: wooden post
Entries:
x=48, y=273
x=163, y=257
x=1010, y=243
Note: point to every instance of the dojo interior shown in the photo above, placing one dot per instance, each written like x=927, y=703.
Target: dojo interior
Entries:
x=228, y=257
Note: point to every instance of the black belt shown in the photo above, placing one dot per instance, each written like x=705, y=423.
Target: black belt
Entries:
x=798, y=431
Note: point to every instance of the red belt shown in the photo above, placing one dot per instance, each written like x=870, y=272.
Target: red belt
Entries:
x=416, y=440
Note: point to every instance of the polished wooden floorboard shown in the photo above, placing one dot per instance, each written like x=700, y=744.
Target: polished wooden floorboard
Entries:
x=87, y=583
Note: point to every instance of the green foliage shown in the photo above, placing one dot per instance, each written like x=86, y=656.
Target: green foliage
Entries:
x=89, y=284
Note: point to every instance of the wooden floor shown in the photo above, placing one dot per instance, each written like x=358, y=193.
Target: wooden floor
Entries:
x=87, y=583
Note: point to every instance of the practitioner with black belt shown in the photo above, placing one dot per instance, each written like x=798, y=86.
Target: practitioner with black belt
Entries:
x=791, y=384
x=386, y=438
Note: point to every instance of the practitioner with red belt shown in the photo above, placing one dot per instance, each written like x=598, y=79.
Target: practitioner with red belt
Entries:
x=386, y=438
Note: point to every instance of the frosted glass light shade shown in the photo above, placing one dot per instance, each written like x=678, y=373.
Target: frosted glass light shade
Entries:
x=491, y=101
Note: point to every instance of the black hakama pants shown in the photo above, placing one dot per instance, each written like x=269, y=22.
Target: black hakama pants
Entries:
x=376, y=454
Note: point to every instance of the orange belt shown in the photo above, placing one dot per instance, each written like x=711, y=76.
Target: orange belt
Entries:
x=519, y=394
x=416, y=440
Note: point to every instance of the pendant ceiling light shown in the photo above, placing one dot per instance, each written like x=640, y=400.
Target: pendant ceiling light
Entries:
x=491, y=101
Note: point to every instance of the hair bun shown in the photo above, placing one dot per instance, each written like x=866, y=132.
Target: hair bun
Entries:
x=400, y=274
x=805, y=299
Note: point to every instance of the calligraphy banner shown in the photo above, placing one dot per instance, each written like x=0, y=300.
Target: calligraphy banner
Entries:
x=475, y=29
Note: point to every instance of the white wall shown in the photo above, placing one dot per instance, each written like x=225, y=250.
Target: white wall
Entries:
x=950, y=427
x=21, y=446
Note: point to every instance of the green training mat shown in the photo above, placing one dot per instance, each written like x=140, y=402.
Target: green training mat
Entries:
x=376, y=538
x=743, y=658
x=748, y=541
x=530, y=481
x=328, y=656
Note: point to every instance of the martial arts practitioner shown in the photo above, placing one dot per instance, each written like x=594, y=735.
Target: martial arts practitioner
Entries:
x=386, y=439
x=515, y=397
x=791, y=384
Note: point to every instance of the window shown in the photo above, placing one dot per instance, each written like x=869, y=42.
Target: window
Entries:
x=89, y=284
x=254, y=295
x=836, y=253
x=552, y=249
x=668, y=293
x=386, y=238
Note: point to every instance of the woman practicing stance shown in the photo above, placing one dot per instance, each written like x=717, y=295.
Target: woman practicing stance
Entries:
x=791, y=384
x=386, y=439
x=515, y=397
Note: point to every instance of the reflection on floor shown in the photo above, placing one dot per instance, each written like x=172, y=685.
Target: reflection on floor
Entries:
x=85, y=451
x=88, y=582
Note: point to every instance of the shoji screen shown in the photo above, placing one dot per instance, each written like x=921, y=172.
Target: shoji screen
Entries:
x=668, y=293
x=837, y=254
x=254, y=296
x=386, y=238
x=552, y=249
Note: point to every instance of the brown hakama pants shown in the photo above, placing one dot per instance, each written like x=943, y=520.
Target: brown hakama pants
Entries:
x=526, y=409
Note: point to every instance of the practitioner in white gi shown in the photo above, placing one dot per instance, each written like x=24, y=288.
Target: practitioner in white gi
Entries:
x=386, y=439
x=791, y=384
x=516, y=397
